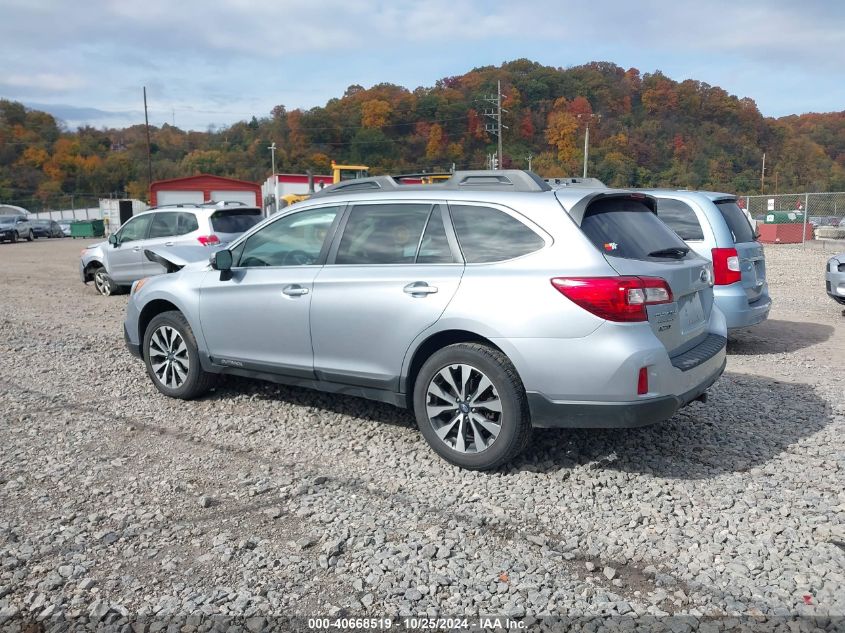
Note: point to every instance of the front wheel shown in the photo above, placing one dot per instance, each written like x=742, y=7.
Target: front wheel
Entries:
x=172, y=359
x=104, y=284
x=30, y=236
x=471, y=407
x=15, y=237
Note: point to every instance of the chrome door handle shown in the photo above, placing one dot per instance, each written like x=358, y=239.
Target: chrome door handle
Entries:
x=294, y=290
x=168, y=243
x=136, y=249
x=419, y=289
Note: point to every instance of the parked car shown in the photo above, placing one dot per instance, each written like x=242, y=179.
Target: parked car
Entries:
x=488, y=303
x=15, y=227
x=835, y=278
x=113, y=265
x=46, y=228
x=65, y=226
x=715, y=227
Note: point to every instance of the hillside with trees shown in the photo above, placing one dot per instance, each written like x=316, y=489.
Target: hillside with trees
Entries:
x=649, y=130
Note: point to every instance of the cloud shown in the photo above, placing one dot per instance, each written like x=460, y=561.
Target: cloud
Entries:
x=45, y=82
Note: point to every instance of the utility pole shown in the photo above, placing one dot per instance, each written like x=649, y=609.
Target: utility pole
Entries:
x=587, y=139
x=763, y=173
x=149, y=151
x=495, y=114
x=272, y=149
x=529, y=157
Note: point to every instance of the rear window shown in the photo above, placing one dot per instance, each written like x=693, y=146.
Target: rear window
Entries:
x=627, y=228
x=234, y=220
x=680, y=217
x=736, y=221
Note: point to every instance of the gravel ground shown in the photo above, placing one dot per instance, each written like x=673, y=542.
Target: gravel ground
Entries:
x=262, y=500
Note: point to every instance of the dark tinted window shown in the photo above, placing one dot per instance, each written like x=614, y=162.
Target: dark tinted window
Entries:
x=434, y=248
x=293, y=240
x=680, y=217
x=489, y=235
x=627, y=228
x=136, y=228
x=736, y=220
x=167, y=224
x=382, y=234
x=234, y=220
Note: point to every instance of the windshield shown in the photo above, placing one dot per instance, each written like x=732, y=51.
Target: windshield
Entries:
x=736, y=221
x=5, y=219
x=621, y=227
x=234, y=220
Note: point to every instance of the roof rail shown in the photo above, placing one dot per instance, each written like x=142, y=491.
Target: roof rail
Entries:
x=586, y=183
x=225, y=203
x=484, y=179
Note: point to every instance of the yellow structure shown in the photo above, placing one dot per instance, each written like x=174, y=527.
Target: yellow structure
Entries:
x=339, y=174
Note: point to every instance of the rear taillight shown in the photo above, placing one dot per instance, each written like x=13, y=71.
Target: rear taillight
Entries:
x=726, y=266
x=621, y=299
x=208, y=240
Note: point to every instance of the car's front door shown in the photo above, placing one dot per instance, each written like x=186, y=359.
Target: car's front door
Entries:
x=390, y=276
x=256, y=316
x=123, y=260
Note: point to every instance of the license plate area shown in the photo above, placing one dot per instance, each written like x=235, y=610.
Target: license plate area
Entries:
x=690, y=313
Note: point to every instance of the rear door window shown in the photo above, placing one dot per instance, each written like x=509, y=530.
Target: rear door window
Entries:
x=680, y=217
x=489, y=235
x=234, y=220
x=736, y=221
x=621, y=227
x=383, y=233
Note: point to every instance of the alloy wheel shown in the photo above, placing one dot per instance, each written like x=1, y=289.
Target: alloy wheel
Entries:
x=464, y=408
x=169, y=357
x=102, y=283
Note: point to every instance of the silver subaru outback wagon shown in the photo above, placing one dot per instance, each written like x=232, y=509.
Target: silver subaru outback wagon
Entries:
x=489, y=304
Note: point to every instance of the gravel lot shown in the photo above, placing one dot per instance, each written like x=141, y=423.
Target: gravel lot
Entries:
x=262, y=500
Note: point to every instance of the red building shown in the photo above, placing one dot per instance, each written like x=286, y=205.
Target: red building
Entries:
x=203, y=188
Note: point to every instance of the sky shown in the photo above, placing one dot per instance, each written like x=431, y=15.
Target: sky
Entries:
x=209, y=64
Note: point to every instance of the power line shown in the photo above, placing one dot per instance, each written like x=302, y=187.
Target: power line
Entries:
x=495, y=113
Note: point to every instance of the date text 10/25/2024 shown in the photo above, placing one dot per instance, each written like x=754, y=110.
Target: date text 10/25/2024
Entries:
x=415, y=624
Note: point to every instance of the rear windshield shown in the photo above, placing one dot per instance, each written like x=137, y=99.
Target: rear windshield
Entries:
x=627, y=228
x=736, y=220
x=234, y=220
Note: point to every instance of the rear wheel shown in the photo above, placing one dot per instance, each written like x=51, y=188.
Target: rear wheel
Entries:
x=172, y=359
x=30, y=236
x=471, y=407
x=14, y=236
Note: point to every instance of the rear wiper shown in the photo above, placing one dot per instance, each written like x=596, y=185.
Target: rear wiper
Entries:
x=677, y=252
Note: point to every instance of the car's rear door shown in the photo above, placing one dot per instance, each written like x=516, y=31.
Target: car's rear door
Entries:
x=168, y=228
x=390, y=275
x=635, y=242
x=752, y=263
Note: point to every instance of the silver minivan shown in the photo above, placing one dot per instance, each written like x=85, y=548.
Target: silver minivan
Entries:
x=113, y=265
x=715, y=227
x=488, y=304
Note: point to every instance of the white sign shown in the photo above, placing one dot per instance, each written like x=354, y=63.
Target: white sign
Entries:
x=770, y=204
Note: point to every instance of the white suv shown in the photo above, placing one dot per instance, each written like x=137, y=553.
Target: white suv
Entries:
x=115, y=264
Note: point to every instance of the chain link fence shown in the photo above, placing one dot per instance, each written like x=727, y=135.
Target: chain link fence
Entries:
x=825, y=211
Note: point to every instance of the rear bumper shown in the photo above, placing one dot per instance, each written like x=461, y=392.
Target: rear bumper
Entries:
x=733, y=302
x=548, y=413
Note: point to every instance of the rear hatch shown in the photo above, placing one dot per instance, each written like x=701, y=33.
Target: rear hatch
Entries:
x=228, y=224
x=635, y=242
x=752, y=263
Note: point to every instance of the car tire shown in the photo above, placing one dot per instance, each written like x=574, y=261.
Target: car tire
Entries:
x=15, y=237
x=104, y=283
x=178, y=374
x=30, y=236
x=491, y=416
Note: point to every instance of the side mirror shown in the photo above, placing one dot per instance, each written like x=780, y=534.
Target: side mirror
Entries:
x=113, y=239
x=221, y=260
